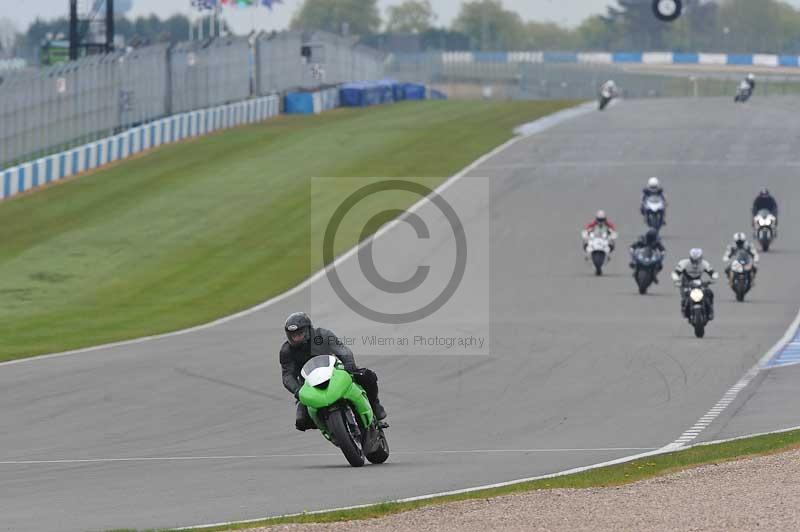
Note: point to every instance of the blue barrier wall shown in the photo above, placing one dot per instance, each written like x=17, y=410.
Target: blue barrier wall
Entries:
x=298, y=103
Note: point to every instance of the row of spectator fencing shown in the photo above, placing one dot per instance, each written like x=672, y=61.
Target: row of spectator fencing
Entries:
x=52, y=109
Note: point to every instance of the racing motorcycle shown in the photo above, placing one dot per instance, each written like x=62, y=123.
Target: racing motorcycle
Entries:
x=647, y=262
x=598, y=248
x=764, y=226
x=606, y=95
x=695, y=305
x=653, y=209
x=741, y=274
x=743, y=93
x=341, y=411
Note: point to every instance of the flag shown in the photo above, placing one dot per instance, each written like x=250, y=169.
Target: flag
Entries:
x=248, y=3
x=205, y=4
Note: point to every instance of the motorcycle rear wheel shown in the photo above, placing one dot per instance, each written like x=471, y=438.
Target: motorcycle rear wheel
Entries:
x=381, y=454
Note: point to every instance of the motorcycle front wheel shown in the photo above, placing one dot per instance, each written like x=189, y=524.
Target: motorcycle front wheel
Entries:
x=347, y=435
x=740, y=291
x=698, y=320
x=598, y=259
x=643, y=280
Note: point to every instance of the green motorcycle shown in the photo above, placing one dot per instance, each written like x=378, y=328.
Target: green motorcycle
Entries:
x=341, y=411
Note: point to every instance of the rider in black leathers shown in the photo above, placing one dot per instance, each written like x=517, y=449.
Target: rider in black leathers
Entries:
x=652, y=241
x=764, y=200
x=304, y=342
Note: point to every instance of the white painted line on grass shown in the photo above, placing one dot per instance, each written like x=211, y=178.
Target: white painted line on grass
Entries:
x=533, y=128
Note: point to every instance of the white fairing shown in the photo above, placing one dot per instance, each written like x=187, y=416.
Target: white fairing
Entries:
x=655, y=204
x=696, y=295
x=737, y=267
x=764, y=220
x=598, y=243
x=319, y=373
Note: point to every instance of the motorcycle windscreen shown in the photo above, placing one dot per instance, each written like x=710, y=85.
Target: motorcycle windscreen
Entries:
x=319, y=369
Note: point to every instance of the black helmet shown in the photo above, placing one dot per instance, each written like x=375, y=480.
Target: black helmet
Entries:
x=298, y=328
x=651, y=237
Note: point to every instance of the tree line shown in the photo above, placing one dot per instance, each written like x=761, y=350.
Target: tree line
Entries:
x=743, y=26
x=768, y=26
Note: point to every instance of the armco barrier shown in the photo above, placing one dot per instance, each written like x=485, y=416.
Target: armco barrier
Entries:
x=58, y=166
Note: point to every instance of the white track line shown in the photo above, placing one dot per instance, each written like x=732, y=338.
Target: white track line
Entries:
x=623, y=164
x=305, y=455
x=523, y=132
x=734, y=390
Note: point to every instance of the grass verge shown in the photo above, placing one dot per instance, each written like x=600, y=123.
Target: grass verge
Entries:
x=199, y=230
x=602, y=477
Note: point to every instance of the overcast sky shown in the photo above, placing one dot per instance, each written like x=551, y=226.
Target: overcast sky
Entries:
x=563, y=11
x=569, y=12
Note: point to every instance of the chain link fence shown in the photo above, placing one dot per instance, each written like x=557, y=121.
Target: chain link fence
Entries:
x=52, y=109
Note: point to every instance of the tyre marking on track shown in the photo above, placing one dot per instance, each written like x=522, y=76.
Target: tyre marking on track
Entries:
x=522, y=132
x=304, y=455
x=771, y=359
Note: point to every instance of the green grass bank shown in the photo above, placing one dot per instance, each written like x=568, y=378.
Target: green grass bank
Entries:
x=195, y=231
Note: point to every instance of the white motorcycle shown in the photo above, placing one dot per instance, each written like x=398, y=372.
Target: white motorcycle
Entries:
x=764, y=228
x=598, y=245
x=653, y=212
x=606, y=95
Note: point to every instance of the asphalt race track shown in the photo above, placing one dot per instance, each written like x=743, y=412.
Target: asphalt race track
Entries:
x=197, y=428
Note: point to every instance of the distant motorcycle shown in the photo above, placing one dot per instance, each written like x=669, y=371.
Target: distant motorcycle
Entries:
x=653, y=209
x=598, y=248
x=606, y=95
x=647, y=262
x=695, y=305
x=764, y=228
x=741, y=274
x=743, y=93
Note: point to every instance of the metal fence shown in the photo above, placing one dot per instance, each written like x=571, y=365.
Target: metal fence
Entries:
x=502, y=79
x=52, y=109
